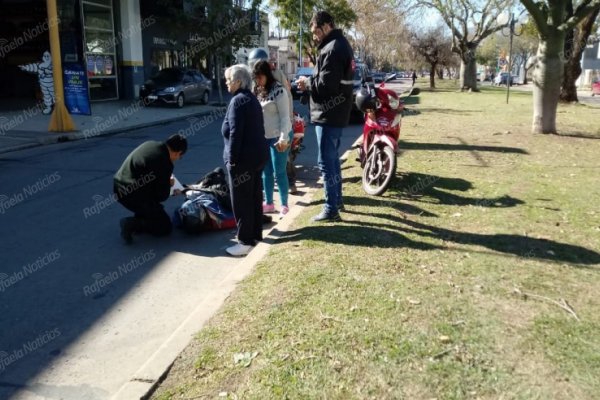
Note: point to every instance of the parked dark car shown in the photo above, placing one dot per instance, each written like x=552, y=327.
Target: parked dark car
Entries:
x=303, y=71
x=378, y=76
x=176, y=86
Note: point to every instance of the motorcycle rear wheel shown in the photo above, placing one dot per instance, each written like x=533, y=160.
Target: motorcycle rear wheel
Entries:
x=379, y=170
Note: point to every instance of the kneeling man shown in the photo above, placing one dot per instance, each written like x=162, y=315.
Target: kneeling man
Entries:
x=143, y=182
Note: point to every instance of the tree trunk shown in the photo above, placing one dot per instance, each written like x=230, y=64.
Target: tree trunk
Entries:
x=468, y=73
x=432, y=76
x=573, y=52
x=546, y=82
x=568, y=90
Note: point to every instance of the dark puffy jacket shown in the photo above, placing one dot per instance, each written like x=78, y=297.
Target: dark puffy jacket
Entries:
x=244, y=132
x=332, y=82
x=145, y=174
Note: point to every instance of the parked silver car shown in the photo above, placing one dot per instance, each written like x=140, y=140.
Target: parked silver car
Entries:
x=176, y=86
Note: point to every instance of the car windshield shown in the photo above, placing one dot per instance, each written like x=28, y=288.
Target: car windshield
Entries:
x=168, y=75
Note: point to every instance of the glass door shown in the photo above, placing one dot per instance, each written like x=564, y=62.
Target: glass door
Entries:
x=100, y=49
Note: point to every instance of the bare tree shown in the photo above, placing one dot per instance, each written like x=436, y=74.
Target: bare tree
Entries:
x=470, y=21
x=552, y=21
x=433, y=46
x=379, y=32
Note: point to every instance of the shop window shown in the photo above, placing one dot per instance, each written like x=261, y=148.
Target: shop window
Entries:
x=100, y=52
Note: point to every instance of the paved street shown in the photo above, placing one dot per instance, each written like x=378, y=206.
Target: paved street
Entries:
x=80, y=311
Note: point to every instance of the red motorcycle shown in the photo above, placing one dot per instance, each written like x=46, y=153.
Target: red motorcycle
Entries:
x=379, y=146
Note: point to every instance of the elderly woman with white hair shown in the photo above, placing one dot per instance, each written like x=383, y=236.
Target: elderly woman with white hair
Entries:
x=245, y=154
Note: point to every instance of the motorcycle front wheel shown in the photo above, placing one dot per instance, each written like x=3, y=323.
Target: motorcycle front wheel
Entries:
x=379, y=170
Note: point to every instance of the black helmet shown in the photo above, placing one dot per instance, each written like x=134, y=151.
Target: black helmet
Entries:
x=257, y=54
x=364, y=100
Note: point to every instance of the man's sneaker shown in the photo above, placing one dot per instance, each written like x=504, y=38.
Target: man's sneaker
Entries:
x=293, y=189
x=239, y=250
x=284, y=210
x=127, y=229
x=268, y=208
x=324, y=216
x=341, y=207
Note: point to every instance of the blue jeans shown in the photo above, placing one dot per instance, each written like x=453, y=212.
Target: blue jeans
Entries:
x=328, y=139
x=276, y=166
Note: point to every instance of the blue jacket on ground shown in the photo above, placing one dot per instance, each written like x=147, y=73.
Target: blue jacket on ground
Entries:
x=243, y=132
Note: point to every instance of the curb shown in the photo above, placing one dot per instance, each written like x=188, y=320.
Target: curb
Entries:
x=151, y=374
x=59, y=137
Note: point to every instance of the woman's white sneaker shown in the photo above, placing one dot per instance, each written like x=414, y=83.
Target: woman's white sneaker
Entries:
x=239, y=250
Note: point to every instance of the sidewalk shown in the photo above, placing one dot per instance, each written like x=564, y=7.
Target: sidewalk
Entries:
x=29, y=127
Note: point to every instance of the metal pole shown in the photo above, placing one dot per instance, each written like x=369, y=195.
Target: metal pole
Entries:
x=509, y=77
x=300, y=52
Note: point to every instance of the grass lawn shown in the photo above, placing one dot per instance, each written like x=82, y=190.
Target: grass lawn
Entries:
x=475, y=276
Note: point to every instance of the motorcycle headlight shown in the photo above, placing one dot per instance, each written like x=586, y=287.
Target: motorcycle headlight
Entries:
x=170, y=89
x=394, y=102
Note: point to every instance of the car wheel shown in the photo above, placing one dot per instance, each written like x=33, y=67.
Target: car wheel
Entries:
x=204, y=99
x=180, y=101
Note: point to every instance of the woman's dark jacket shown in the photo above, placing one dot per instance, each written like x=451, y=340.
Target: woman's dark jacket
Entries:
x=244, y=133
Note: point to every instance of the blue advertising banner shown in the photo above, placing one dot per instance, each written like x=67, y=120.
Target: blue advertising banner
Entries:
x=77, y=98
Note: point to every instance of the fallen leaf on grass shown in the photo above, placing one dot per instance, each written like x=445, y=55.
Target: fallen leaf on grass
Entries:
x=244, y=358
x=445, y=339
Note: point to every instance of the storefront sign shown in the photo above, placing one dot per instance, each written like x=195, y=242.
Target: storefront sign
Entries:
x=76, y=89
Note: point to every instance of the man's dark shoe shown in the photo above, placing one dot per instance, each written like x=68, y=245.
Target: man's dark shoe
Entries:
x=127, y=229
x=324, y=216
x=341, y=207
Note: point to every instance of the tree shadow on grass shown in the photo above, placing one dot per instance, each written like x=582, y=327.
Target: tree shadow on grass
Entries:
x=437, y=189
x=404, y=145
x=393, y=232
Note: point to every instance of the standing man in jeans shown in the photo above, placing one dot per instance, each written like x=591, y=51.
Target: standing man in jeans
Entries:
x=330, y=91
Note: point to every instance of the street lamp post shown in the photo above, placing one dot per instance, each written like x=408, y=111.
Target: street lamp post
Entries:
x=300, y=50
x=504, y=19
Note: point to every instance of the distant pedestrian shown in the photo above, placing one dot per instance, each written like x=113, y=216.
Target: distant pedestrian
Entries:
x=143, y=182
x=245, y=153
x=330, y=91
x=414, y=77
x=274, y=101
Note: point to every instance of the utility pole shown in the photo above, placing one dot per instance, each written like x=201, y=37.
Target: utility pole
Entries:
x=300, y=52
x=60, y=120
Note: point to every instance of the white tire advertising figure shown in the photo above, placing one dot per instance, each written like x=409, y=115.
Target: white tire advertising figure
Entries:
x=45, y=79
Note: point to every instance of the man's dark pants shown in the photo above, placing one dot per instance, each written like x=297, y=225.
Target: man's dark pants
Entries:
x=246, y=198
x=150, y=217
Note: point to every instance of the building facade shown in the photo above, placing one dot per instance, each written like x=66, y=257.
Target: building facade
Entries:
x=116, y=44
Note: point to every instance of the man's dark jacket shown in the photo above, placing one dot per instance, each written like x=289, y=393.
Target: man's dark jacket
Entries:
x=145, y=174
x=332, y=82
x=244, y=132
